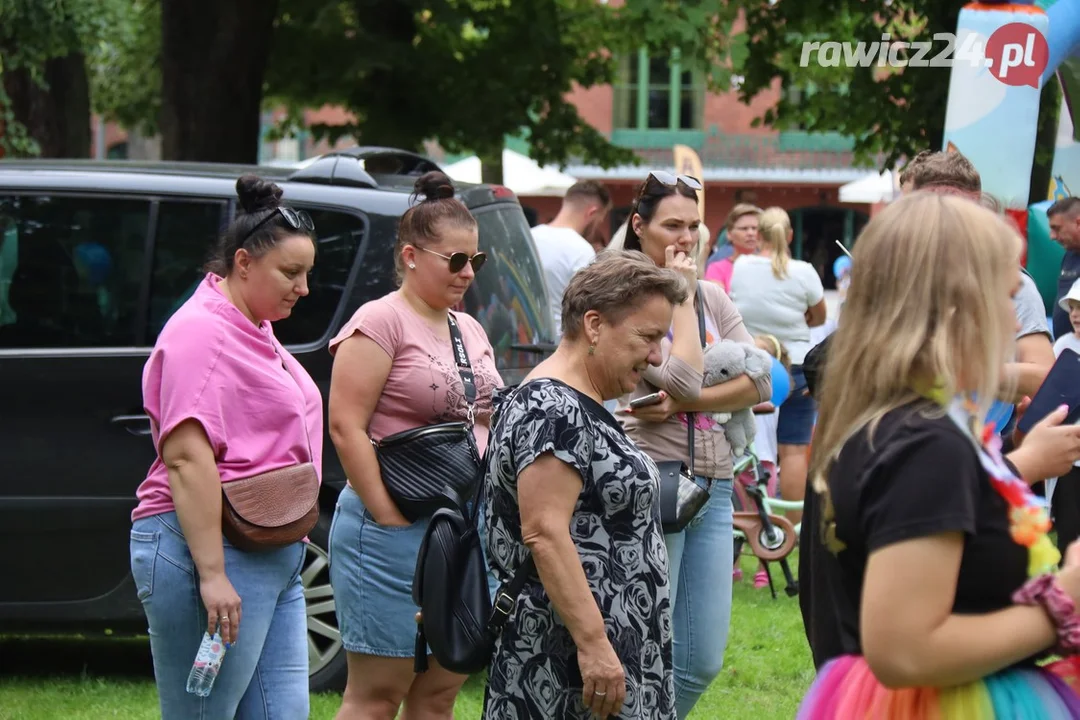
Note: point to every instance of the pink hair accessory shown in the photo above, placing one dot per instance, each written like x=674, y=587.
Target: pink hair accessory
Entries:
x=1046, y=591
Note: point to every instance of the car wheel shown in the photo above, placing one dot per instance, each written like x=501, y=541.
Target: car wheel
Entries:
x=327, y=667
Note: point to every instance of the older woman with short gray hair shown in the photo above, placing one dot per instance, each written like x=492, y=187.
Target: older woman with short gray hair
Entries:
x=568, y=490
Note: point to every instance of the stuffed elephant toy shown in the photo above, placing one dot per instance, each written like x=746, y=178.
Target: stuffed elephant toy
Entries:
x=725, y=361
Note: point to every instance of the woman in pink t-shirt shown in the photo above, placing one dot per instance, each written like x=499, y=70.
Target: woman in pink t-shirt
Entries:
x=226, y=401
x=742, y=231
x=395, y=370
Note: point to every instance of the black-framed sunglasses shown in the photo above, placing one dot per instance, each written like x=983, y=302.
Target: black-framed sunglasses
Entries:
x=297, y=220
x=458, y=260
x=672, y=180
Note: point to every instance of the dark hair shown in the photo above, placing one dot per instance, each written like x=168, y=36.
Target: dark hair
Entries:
x=253, y=229
x=1064, y=206
x=615, y=284
x=420, y=223
x=649, y=197
x=588, y=191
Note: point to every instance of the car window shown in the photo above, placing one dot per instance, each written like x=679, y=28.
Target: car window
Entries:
x=338, y=239
x=71, y=270
x=186, y=232
x=508, y=296
x=184, y=243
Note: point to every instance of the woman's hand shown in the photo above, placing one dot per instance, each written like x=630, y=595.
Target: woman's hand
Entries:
x=1049, y=450
x=604, y=687
x=222, y=607
x=683, y=264
x=657, y=413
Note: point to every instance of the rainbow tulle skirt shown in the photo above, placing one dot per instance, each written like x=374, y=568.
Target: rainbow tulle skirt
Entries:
x=846, y=689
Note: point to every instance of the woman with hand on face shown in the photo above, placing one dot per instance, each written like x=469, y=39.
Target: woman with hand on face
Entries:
x=567, y=488
x=395, y=369
x=663, y=225
x=227, y=402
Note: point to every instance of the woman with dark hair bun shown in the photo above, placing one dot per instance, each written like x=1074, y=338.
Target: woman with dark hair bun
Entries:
x=227, y=402
x=396, y=370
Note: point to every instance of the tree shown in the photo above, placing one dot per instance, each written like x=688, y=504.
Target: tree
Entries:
x=44, y=93
x=470, y=72
x=213, y=59
x=890, y=114
x=125, y=66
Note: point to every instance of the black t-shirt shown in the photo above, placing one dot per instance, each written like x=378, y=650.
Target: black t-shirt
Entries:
x=922, y=476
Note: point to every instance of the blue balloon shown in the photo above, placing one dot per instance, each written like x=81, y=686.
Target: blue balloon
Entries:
x=781, y=383
x=1000, y=414
x=842, y=263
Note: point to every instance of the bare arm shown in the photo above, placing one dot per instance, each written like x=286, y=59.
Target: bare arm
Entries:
x=815, y=315
x=548, y=490
x=196, y=490
x=1034, y=358
x=359, y=375
x=911, y=637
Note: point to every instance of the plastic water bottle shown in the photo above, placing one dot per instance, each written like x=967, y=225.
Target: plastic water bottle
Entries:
x=207, y=664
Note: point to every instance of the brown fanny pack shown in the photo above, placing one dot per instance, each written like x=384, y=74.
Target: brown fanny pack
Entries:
x=270, y=510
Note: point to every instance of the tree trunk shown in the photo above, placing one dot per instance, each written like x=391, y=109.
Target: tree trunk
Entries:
x=56, y=116
x=213, y=59
x=491, y=167
x=1042, y=165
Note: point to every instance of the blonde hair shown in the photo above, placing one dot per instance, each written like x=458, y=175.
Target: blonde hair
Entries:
x=775, y=226
x=618, y=242
x=740, y=210
x=931, y=275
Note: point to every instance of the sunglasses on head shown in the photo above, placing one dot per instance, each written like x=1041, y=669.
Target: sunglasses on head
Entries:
x=458, y=260
x=672, y=180
x=296, y=219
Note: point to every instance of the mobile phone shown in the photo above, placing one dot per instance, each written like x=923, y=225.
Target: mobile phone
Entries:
x=647, y=400
x=1061, y=387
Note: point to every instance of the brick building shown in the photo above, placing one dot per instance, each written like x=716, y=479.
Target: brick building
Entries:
x=654, y=105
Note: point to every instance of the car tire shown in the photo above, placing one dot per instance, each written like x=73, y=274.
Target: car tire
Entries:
x=327, y=668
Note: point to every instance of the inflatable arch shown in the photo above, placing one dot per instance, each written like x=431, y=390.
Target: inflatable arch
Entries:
x=1004, y=54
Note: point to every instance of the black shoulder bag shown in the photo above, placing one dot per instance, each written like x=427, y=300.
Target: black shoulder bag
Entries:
x=417, y=464
x=457, y=620
x=681, y=497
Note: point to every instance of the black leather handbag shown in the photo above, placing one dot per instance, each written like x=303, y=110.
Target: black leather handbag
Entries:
x=418, y=464
x=681, y=496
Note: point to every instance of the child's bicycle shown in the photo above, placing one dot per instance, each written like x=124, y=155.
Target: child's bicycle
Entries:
x=771, y=536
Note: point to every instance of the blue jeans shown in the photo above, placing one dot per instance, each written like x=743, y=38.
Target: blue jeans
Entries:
x=699, y=560
x=264, y=675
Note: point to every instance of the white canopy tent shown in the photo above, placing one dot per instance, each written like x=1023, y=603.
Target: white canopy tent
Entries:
x=520, y=174
x=871, y=189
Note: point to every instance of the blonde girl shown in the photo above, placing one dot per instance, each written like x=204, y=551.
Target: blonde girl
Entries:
x=938, y=570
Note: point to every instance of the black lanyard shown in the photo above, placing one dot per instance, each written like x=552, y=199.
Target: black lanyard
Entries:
x=461, y=358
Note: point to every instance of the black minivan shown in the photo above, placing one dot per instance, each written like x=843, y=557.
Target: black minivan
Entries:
x=94, y=258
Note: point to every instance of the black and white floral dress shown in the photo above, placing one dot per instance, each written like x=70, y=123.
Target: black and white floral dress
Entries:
x=616, y=527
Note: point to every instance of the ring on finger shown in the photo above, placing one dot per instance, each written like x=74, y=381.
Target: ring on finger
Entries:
x=601, y=694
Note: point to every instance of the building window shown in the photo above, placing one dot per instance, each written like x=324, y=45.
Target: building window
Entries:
x=658, y=93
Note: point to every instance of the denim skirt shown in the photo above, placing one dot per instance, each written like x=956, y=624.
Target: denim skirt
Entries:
x=371, y=571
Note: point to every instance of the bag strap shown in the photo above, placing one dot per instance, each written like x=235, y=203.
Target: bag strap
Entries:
x=699, y=308
x=461, y=359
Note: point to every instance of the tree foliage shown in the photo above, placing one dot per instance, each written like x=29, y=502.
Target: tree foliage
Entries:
x=125, y=65
x=890, y=114
x=469, y=72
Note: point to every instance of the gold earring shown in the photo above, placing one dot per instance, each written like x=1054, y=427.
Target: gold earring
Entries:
x=592, y=349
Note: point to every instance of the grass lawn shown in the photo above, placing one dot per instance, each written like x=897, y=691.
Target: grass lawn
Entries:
x=766, y=670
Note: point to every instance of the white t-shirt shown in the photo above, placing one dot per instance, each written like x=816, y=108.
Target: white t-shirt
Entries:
x=562, y=253
x=777, y=307
x=1069, y=341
